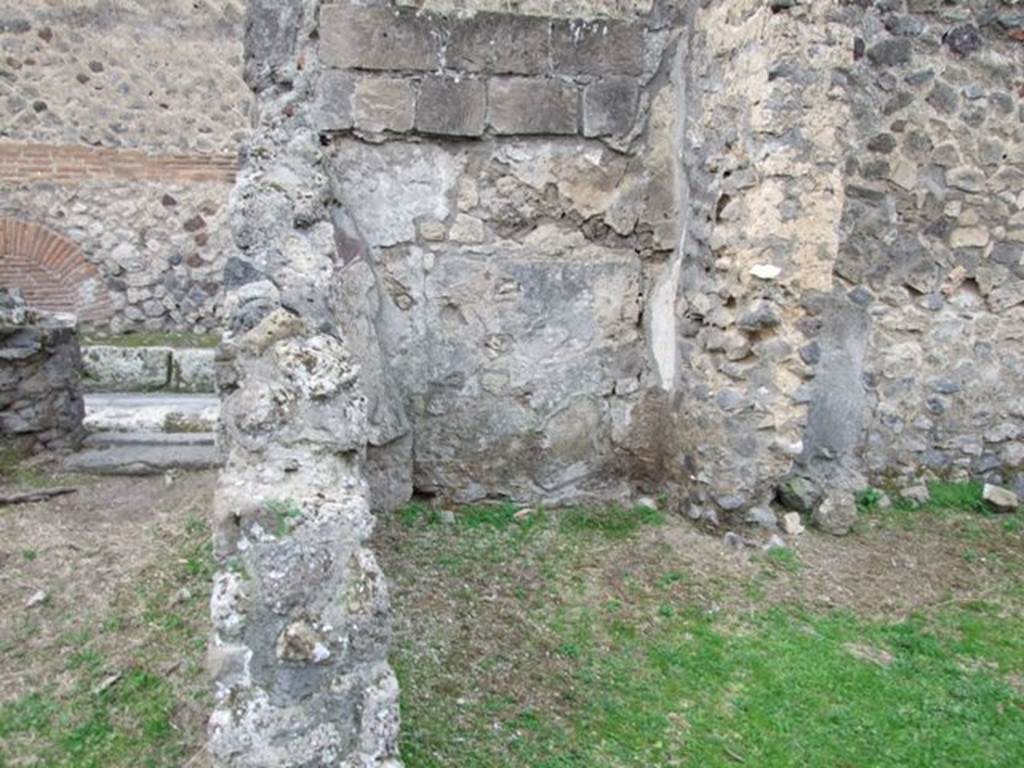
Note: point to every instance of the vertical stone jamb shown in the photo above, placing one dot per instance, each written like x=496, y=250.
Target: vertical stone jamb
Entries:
x=300, y=608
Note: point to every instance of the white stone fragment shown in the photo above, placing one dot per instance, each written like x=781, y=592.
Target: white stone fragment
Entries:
x=766, y=271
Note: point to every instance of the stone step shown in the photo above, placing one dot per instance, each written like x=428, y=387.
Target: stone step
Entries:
x=165, y=439
x=143, y=459
x=156, y=412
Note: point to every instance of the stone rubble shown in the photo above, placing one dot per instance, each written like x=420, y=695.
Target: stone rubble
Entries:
x=41, y=405
x=1001, y=499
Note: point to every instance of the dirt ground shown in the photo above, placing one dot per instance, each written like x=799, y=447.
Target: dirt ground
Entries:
x=80, y=551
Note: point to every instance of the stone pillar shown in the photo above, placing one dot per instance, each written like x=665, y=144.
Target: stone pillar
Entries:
x=300, y=608
x=41, y=404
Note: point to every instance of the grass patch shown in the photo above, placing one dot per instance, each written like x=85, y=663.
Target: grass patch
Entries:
x=584, y=643
x=17, y=471
x=154, y=339
x=784, y=559
x=952, y=502
x=132, y=691
x=957, y=497
x=611, y=522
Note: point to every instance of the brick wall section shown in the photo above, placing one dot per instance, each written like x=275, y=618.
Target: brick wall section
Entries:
x=50, y=270
x=25, y=162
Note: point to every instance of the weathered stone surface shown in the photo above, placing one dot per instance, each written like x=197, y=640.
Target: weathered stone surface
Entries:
x=792, y=524
x=270, y=32
x=499, y=43
x=334, y=108
x=800, y=495
x=1001, y=499
x=41, y=405
x=384, y=104
x=580, y=47
x=610, y=106
x=193, y=370
x=451, y=106
x=299, y=606
x=837, y=514
x=353, y=36
x=126, y=369
x=532, y=106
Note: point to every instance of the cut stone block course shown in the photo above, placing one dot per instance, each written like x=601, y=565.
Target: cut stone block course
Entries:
x=384, y=104
x=597, y=47
x=380, y=38
x=126, y=369
x=501, y=44
x=451, y=106
x=533, y=106
x=609, y=107
x=333, y=110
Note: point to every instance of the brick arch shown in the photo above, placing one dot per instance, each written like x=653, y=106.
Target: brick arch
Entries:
x=51, y=271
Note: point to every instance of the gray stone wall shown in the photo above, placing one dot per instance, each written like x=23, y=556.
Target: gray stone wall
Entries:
x=851, y=300
x=41, y=406
x=162, y=77
x=160, y=248
x=511, y=199
x=120, y=128
x=932, y=235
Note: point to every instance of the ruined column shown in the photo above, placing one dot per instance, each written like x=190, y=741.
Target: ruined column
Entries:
x=299, y=607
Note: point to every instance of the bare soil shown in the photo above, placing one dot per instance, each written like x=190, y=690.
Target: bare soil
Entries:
x=83, y=552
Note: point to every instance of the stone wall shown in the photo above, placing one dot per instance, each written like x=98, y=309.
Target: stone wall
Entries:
x=120, y=132
x=510, y=193
x=41, y=406
x=851, y=288
x=932, y=235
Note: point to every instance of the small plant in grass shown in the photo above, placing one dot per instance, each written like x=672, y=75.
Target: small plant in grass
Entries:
x=869, y=499
x=285, y=513
x=784, y=558
x=957, y=497
x=29, y=554
x=613, y=522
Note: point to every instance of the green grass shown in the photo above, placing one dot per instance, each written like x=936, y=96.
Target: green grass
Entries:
x=154, y=339
x=949, y=501
x=15, y=471
x=784, y=558
x=133, y=689
x=585, y=644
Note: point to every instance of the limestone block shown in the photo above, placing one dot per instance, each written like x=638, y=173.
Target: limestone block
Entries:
x=451, y=107
x=532, y=106
x=597, y=47
x=499, y=43
x=333, y=109
x=386, y=188
x=379, y=38
x=193, y=370
x=609, y=106
x=384, y=104
x=125, y=369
